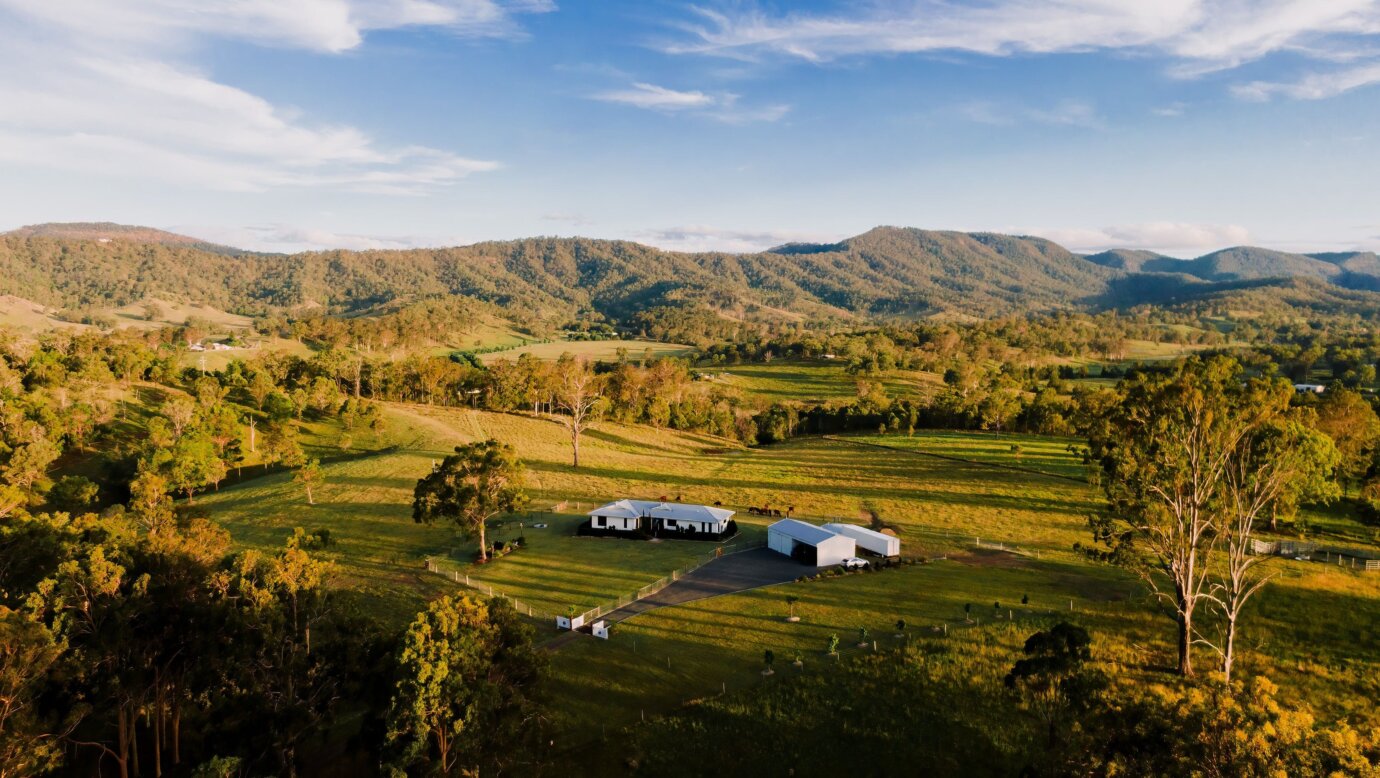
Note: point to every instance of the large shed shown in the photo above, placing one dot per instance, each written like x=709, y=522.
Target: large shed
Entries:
x=808, y=543
x=871, y=540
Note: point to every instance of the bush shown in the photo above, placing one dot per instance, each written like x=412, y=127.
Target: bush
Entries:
x=74, y=494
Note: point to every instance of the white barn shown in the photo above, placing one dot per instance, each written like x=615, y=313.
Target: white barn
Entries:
x=664, y=517
x=876, y=542
x=809, y=544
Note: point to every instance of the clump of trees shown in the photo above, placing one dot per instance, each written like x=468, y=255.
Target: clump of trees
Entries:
x=1194, y=460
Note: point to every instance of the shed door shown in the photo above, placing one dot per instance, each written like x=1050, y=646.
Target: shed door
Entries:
x=804, y=552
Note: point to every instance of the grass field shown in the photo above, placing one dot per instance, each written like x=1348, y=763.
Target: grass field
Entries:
x=815, y=381
x=598, y=350
x=1310, y=630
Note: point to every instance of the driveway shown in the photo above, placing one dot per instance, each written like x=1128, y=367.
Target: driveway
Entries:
x=725, y=575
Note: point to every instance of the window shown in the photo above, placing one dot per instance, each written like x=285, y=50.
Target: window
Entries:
x=598, y=521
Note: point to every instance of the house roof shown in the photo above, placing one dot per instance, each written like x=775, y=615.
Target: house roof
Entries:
x=805, y=533
x=633, y=509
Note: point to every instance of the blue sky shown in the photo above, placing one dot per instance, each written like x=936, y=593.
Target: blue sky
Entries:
x=1175, y=125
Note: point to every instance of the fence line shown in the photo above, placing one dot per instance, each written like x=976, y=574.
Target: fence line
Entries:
x=464, y=579
x=1355, y=558
x=670, y=578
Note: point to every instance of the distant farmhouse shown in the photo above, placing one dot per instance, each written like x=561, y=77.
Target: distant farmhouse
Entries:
x=1310, y=388
x=647, y=518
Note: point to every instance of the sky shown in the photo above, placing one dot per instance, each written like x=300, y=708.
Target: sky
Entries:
x=1179, y=126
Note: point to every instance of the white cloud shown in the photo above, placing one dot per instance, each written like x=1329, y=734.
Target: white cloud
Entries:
x=1170, y=111
x=288, y=238
x=1067, y=113
x=695, y=238
x=723, y=107
x=112, y=88
x=1203, y=35
x=1154, y=236
x=659, y=98
x=1315, y=86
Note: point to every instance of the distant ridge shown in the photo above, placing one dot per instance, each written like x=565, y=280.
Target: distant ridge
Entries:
x=108, y=231
x=885, y=272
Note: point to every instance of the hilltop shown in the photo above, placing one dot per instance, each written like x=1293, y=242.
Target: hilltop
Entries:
x=885, y=272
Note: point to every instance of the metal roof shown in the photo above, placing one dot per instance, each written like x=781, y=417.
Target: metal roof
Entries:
x=805, y=533
x=635, y=509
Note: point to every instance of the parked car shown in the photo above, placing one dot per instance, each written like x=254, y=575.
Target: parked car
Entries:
x=855, y=563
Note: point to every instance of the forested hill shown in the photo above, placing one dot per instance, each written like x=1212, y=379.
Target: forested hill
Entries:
x=886, y=271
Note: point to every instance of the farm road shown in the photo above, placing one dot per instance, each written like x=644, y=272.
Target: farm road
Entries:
x=726, y=575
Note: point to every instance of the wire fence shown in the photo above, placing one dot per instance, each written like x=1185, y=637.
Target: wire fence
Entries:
x=452, y=571
x=670, y=578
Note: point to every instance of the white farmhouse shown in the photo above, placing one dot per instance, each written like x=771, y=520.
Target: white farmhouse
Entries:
x=666, y=519
x=876, y=542
x=809, y=544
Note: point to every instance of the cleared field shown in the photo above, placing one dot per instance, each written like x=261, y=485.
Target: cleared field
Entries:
x=380, y=552
x=1309, y=630
x=815, y=381
x=598, y=350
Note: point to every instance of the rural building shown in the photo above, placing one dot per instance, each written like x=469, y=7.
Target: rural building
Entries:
x=878, y=543
x=664, y=519
x=809, y=544
x=1310, y=388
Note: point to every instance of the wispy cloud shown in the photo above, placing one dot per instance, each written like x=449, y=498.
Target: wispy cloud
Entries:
x=1200, y=35
x=723, y=107
x=706, y=238
x=1170, y=111
x=1068, y=113
x=659, y=98
x=124, y=96
x=1155, y=236
x=1315, y=86
x=290, y=238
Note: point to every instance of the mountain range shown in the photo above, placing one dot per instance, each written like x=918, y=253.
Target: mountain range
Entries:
x=887, y=271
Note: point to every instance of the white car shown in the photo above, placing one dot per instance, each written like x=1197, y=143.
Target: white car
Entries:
x=854, y=563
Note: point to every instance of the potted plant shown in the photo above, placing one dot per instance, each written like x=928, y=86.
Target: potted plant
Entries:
x=833, y=649
x=862, y=637
x=799, y=663
x=791, y=600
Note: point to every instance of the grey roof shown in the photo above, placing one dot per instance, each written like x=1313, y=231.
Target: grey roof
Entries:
x=633, y=509
x=859, y=532
x=805, y=533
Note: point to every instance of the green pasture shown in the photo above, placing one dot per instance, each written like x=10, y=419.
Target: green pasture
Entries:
x=597, y=350
x=814, y=381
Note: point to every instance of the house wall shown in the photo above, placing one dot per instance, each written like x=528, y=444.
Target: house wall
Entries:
x=615, y=522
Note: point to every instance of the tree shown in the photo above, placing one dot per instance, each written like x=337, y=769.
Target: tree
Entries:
x=309, y=475
x=577, y=393
x=1279, y=462
x=791, y=600
x=1348, y=418
x=469, y=688
x=476, y=483
x=1051, y=676
x=192, y=463
x=74, y=494
x=1166, y=449
x=30, y=740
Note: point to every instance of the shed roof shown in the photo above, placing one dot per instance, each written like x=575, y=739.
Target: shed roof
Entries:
x=859, y=532
x=799, y=530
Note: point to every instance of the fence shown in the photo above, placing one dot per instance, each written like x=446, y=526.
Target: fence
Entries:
x=435, y=566
x=1356, y=559
x=670, y=578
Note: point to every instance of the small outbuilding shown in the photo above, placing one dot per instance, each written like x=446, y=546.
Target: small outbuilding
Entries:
x=809, y=544
x=878, y=543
